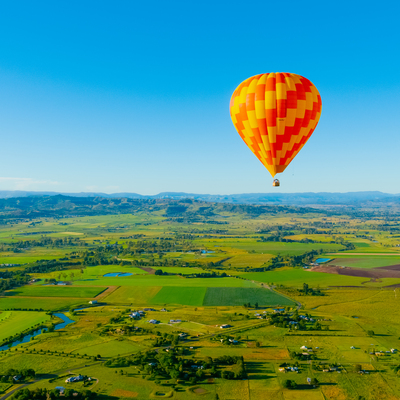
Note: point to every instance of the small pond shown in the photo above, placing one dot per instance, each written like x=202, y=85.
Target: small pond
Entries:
x=322, y=260
x=27, y=338
x=117, y=274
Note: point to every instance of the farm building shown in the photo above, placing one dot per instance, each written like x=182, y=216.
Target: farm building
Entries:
x=225, y=326
x=154, y=321
x=74, y=379
x=135, y=315
x=93, y=302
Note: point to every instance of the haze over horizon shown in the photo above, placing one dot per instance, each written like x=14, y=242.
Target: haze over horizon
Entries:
x=135, y=98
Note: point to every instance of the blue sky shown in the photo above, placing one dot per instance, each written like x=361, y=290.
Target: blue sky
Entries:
x=134, y=96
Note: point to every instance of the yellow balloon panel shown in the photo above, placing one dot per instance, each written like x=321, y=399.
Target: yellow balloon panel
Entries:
x=275, y=114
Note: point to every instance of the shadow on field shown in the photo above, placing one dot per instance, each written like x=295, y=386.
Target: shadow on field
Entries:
x=45, y=376
x=311, y=387
x=13, y=293
x=258, y=370
x=327, y=384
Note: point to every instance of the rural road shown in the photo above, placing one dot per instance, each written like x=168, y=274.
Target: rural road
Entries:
x=18, y=388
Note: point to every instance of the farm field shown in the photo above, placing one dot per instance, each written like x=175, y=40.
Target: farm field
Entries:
x=296, y=277
x=27, y=303
x=372, y=261
x=227, y=310
x=152, y=280
x=56, y=291
x=191, y=296
x=12, y=322
x=240, y=296
x=272, y=248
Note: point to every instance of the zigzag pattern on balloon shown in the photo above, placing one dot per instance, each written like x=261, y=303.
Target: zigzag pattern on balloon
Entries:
x=275, y=114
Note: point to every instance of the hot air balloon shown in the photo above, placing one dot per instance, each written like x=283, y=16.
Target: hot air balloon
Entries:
x=275, y=114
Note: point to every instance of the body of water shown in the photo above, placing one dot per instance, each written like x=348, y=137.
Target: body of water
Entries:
x=117, y=274
x=27, y=338
x=322, y=260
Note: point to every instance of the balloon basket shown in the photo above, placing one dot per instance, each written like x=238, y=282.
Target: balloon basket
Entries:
x=276, y=183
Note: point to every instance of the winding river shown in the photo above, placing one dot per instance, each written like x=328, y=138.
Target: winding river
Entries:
x=27, y=338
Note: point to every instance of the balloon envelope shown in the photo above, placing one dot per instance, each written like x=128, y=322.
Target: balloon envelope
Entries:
x=275, y=114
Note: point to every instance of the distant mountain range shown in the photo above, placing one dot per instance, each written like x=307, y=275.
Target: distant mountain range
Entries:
x=322, y=198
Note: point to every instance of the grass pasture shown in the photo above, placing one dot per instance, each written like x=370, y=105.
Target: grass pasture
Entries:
x=240, y=296
x=297, y=276
x=27, y=303
x=56, y=291
x=268, y=248
x=17, y=321
x=191, y=296
x=133, y=294
x=42, y=364
x=197, y=296
x=174, y=280
x=246, y=260
x=111, y=347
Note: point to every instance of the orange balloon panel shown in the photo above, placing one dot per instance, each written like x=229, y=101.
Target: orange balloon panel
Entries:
x=275, y=114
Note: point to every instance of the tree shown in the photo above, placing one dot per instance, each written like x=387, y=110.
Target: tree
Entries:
x=357, y=368
x=305, y=288
x=370, y=333
x=289, y=384
x=314, y=382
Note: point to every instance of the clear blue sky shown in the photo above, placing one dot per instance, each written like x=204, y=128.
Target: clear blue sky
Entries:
x=133, y=96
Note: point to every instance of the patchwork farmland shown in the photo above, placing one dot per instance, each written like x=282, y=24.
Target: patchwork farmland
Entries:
x=245, y=305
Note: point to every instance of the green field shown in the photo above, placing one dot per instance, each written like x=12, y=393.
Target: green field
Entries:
x=240, y=296
x=297, y=276
x=26, y=303
x=111, y=347
x=271, y=247
x=154, y=280
x=191, y=296
x=99, y=270
x=56, y=291
x=133, y=294
x=18, y=321
x=32, y=255
x=365, y=262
